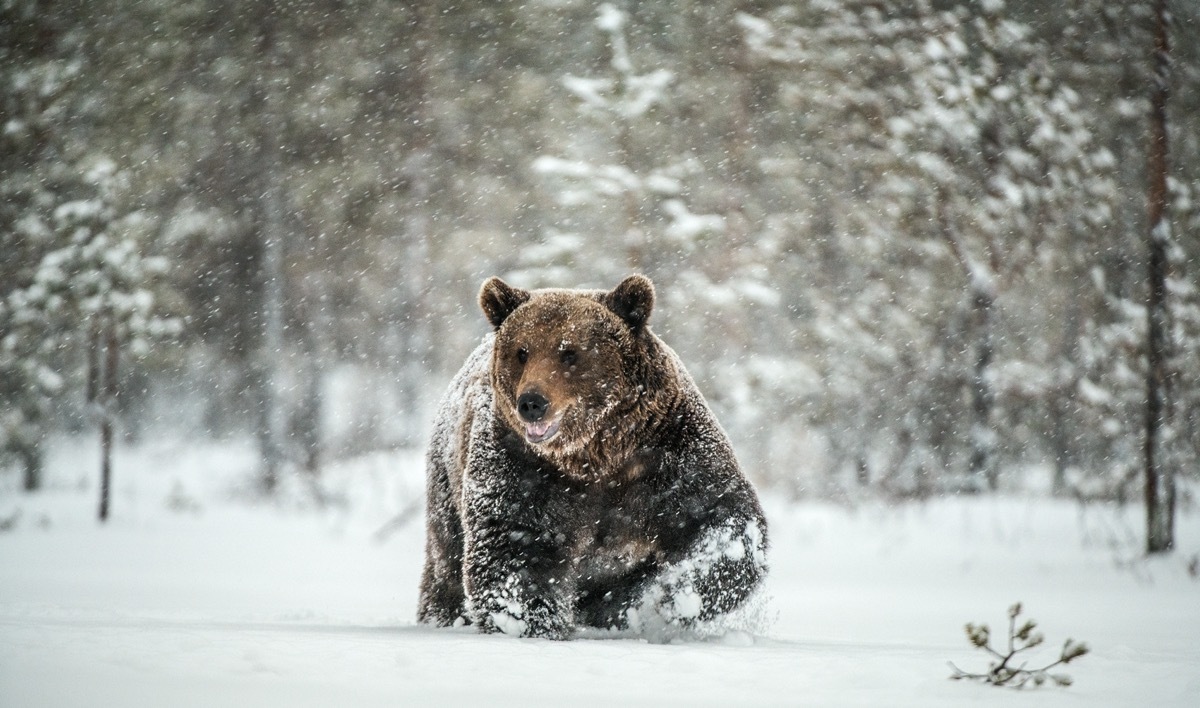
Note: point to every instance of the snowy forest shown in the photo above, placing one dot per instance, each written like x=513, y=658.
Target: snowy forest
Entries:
x=934, y=265
x=906, y=248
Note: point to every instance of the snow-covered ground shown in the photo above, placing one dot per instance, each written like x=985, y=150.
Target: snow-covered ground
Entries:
x=193, y=596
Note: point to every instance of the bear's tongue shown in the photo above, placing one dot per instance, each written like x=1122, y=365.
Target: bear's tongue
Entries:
x=541, y=430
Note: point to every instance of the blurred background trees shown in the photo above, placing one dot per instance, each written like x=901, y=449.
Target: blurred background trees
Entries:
x=901, y=245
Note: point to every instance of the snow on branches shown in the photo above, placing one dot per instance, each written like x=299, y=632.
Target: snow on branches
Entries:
x=86, y=279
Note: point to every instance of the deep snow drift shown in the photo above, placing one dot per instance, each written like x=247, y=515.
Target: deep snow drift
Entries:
x=192, y=596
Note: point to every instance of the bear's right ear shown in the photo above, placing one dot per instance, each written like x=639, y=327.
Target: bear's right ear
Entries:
x=632, y=300
x=498, y=300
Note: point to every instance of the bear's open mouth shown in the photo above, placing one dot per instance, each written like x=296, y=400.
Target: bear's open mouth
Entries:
x=542, y=430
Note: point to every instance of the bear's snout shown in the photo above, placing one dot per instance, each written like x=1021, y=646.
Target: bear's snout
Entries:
x=532, y=406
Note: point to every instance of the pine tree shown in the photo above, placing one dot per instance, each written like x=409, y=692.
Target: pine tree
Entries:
x=74, y=268
x=1010, y=166
x=636, y=189
x=92, y=289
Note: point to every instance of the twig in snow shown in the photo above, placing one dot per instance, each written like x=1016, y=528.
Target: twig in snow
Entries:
x=1003, y=671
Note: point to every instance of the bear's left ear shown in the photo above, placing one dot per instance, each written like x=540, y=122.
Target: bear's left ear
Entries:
x=632, y=300
x=498, y=300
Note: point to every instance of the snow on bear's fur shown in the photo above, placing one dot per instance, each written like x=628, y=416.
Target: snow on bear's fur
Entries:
x=577, y=478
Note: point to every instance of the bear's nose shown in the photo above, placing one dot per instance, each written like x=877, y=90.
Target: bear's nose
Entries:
x=532, y=406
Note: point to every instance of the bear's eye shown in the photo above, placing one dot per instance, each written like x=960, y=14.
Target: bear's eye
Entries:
x=568, y=357
x=522, y=355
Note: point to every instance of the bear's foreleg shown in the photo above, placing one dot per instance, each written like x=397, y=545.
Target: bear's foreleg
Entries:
x=607, y=606
x=441, y=601
x=516, y=568
x=714, y=575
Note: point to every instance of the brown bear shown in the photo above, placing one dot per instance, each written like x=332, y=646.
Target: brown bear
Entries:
x=577, y=478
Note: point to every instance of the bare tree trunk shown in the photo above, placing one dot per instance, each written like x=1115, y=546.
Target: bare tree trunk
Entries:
x=983, y=458
x=308, y=416
x=271, y=355
x=414, y=336
x=104, y=380
x=981, y=285
x=634, y=235
x=30, y=454
x=1062, y=402
x=1160, y=482
x=739, y=141
x=272, y=234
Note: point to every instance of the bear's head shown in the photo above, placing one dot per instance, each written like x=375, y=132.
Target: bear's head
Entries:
x=568, y=365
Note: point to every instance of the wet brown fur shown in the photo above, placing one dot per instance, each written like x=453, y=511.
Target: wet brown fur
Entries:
x=618, y=386
x=622, y=507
